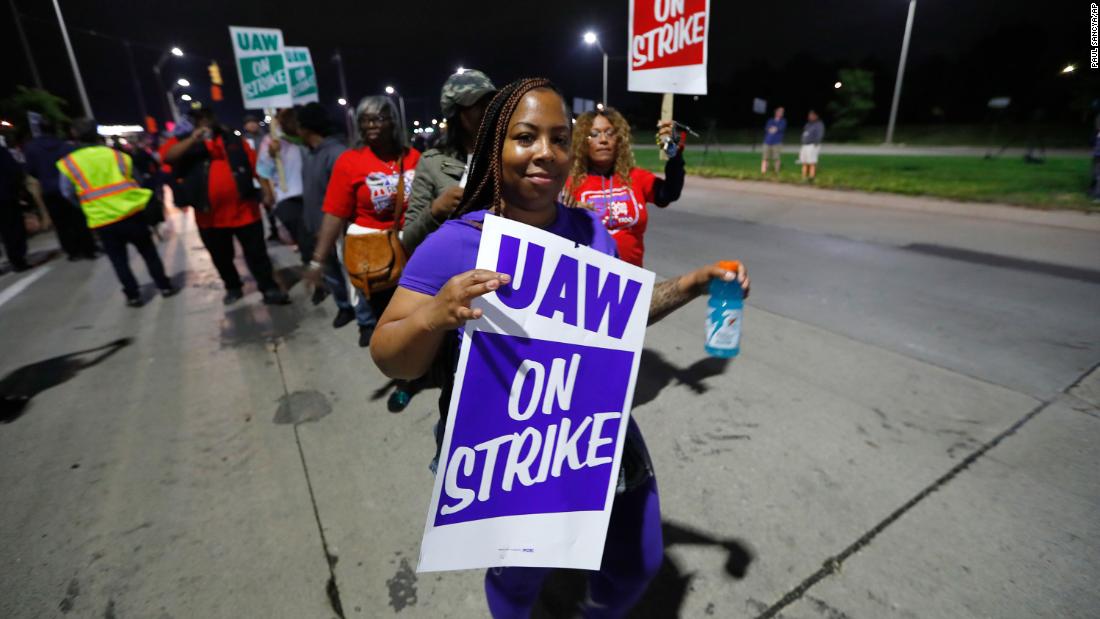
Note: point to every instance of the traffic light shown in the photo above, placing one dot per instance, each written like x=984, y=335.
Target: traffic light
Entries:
x=215, y=74
x=215, y=92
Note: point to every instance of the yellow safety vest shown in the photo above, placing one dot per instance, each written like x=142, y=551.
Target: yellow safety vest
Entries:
x=104, y=181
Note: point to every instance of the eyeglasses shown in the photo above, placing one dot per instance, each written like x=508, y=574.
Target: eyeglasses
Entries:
x=607, y=133
x=375, y=119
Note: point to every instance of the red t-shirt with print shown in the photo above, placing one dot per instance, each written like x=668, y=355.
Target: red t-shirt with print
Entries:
x=227, y=210
x=362, y=187
x=621, y=208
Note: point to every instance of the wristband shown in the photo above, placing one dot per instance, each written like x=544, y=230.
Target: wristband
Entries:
x=315, y=266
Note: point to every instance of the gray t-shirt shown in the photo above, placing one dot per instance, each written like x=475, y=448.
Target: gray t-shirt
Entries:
x=813, y=132
x=317, y=166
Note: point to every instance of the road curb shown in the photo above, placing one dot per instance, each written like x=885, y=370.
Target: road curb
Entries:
x=1073, y=220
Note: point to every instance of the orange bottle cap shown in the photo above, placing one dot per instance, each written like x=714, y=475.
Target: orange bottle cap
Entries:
x=729, y=265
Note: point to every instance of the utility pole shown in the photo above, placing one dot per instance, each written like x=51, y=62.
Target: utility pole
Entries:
x=72, y=59
x=26, y=46
x=901, y=73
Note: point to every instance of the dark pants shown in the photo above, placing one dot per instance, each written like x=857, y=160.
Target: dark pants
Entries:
x=632, y=556
x=289, y=211
x=132, y=231
x=219, y=242
x=70, y=224
x=13, y=233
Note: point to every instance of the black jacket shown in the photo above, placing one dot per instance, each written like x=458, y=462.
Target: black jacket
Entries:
x=192, y=172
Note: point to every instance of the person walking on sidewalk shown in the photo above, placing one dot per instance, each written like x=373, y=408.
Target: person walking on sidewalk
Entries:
x=13, y=232
x=252, y=133
x=773, y=140
x=102, y=179
x=812, y=136
x=436, y=191
x=521, y=161
x=368, y=191
x=321, y=152
x=283, y=191
x=214, y=170
x=42, y=154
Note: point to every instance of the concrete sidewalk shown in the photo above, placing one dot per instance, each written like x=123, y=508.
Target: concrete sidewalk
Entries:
x=188, y=459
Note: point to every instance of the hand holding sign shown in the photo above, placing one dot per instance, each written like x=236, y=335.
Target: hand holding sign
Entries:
x=450, y=308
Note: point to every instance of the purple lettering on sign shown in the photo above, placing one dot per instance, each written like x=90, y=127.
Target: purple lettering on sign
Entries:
x=535, y=429
x=606, y=300
x=508, y=262
x=562, y=292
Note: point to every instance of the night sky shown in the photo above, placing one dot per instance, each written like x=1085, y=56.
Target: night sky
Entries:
x=788, y=51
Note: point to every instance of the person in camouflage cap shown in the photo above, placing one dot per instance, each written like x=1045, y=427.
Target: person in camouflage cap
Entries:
x=436, y=189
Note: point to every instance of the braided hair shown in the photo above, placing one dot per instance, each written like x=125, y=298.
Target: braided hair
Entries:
x=484, y=183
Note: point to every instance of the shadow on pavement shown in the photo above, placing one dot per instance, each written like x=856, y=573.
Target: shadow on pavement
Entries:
x=565, y=589
x=22, y=384
x=34, y=259
x=655, y=373
x=148, y=290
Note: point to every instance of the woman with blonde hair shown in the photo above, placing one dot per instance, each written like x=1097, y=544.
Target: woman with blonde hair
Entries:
x=605, y=178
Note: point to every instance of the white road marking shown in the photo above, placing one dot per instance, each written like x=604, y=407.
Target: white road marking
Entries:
x=12, y=291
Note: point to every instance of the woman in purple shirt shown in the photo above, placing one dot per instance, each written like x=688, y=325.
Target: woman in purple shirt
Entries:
x=520, y=163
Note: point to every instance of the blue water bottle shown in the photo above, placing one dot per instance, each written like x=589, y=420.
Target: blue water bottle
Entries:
x=724, y=313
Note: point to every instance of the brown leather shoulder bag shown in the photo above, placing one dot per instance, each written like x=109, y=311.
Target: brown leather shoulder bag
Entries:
x=375, y=261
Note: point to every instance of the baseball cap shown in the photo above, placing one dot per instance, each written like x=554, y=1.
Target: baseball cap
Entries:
x=463, y=90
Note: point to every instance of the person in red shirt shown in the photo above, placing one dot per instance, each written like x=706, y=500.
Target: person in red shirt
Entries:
x=605, y=179
x=362, y=192
x=362, y=198
x=214, y=170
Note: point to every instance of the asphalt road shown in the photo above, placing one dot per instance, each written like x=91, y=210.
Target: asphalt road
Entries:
x=912, y=430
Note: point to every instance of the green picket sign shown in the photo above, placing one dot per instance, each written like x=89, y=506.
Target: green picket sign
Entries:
x=261, y=67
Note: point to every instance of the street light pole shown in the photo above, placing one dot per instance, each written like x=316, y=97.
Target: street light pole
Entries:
x=605, y=104
x=901, y=72
x=72, y=59
x=170, y=111
x=349, y=114
x=591, y=39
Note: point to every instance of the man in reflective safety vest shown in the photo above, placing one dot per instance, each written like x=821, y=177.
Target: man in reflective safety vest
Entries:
x=102, y=180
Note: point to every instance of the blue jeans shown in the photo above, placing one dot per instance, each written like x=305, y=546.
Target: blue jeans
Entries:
x=337, y=285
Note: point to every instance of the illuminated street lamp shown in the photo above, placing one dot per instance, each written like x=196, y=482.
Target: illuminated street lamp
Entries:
x=590, y=38
x=1070, y=68
x=185, y=97
x=177, y=52
x=837, y=85
x=400, y=105
x=461, y=70
x=183, y=82
x=342, y=101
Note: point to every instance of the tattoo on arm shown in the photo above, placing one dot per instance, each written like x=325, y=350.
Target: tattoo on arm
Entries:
x=668, y=296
